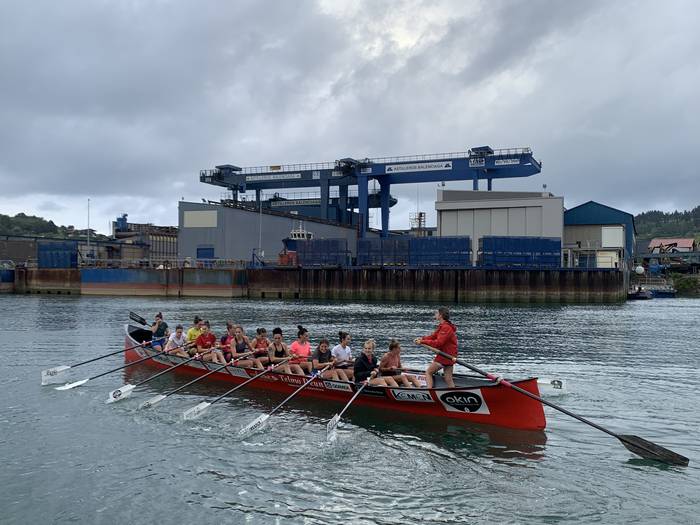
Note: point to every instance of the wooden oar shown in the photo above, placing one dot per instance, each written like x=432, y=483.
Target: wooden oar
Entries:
x=68, y=386
x=635, y=444
x=198, y=410
x=124, y=391
x=50, y=375
x=137, y=318
x=332, y=425
x=158, y=398
x=259, y=422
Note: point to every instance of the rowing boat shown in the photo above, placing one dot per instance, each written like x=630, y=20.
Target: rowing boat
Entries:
x=474, y=399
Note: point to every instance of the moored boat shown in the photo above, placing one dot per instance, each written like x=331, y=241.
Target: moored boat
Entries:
x=474, y=399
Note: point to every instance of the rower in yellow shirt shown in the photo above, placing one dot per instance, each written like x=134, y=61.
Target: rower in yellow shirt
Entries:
x=194, y=332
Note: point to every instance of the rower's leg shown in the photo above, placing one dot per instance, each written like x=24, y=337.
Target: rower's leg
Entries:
x=448, y=376
x=404, y=380
x=342, y=375
x=258, y=364
x=414, y=380
x=432, y=368
x=350, y=373
x=296, y=369
x=390, y=381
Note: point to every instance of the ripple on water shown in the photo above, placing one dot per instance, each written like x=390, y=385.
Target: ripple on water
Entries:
x=628, y=367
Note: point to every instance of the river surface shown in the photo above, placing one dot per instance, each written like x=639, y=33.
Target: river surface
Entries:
x=68, y=457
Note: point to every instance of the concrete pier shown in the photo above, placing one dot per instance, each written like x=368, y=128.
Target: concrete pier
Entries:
x=343, y=284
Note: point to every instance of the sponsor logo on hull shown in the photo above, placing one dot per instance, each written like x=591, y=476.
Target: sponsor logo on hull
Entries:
x=374, y=392
x=414, y=397
x=467, y=401
x=238, y=372
x=333, y=385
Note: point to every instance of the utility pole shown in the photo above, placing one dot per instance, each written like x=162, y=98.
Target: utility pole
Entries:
x=88, y=228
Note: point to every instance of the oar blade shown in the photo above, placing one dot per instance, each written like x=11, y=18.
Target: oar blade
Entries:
x=52, y=375
x=331, y=427
x=254, y=426
x=153, y=401
x=120, y=393
x=68, y=386
x=649, y=450
x=195, y=411
x=137, y=318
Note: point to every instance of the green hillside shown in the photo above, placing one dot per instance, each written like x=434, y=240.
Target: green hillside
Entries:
x=654, y=223
x=22, y=224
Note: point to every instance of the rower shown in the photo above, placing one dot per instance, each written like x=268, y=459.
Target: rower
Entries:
x=239, y=345
x=444, y=338
x=301, y=351
x=322, y=356
x=278, y=351
x=160, y=331
x=207, y=341
x=260, y=344
x=366, y=366
x=391, y=369
x=343, y=357
x=177, y=343
x=194, y=332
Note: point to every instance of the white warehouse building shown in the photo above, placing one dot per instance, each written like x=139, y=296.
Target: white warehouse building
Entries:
x=502, y=213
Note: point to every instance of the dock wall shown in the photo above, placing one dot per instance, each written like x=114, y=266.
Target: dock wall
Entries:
x=7, y=281
x=344, y=284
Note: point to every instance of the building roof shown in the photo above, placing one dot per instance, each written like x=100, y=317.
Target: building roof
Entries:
x=593, y=212
x=680, y=243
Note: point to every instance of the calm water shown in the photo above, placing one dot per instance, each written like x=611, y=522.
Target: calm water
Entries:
x=68, y=457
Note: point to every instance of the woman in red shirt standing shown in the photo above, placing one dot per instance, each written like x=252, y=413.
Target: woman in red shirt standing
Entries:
x=444, y=338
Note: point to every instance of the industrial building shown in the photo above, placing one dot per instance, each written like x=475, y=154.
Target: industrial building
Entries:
x=160, y=240
x=479, y=214
x=598, y=236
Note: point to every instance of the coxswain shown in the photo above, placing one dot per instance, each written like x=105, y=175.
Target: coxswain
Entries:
x=392, y=370
x=444, y=338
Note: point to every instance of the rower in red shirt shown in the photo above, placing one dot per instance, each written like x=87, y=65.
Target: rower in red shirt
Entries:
x=207, y=346
x=444, y=338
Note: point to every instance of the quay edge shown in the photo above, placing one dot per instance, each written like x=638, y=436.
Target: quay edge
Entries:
x=449, y=286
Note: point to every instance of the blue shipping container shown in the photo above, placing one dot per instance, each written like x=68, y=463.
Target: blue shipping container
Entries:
x=323, y=252
x=57, y=254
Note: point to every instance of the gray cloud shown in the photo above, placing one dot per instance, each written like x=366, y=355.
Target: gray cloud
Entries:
x=117, y=100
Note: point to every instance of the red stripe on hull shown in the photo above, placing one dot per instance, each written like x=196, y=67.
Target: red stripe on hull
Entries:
x=495, y=405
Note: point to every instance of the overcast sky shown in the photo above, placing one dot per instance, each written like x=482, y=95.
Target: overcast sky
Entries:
x=124, y=102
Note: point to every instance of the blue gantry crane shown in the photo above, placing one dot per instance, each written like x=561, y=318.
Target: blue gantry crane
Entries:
x=481, y=163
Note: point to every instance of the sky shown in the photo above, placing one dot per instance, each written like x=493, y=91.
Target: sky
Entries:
x=123, y=102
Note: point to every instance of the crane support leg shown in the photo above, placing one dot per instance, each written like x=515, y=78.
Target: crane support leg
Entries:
x=343, y=203
x=384, y=197
x=362, y=202
x=324, y=198
x=490, y=184
x=475, y=181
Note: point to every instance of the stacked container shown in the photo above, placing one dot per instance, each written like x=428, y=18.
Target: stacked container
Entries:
x=57, y=254
x=383, y=252
x=322, y=252
x=520, y=252
x=440, y=251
